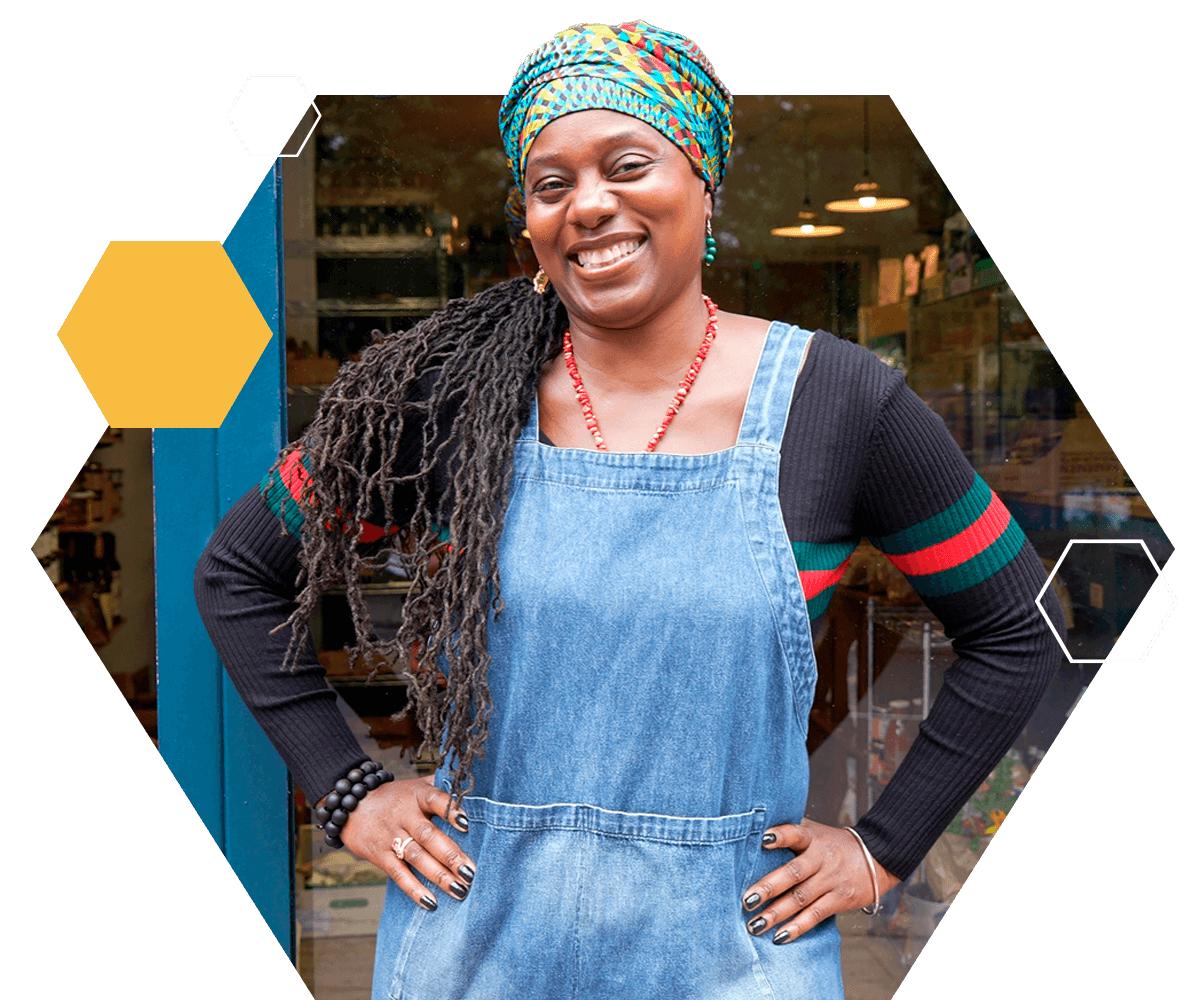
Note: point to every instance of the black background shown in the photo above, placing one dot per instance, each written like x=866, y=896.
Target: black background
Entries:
x=129, y=884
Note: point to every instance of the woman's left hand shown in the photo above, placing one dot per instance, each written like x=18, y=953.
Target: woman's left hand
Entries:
x=827, y=875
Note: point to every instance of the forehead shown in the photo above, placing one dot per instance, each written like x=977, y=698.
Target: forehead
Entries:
x=591, y=132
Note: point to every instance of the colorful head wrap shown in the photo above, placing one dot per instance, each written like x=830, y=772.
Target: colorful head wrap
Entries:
x=656, y=76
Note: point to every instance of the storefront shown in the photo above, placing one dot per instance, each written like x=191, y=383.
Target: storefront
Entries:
x=394, y=207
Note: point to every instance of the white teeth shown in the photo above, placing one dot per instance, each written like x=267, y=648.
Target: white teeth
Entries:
x=594, y=258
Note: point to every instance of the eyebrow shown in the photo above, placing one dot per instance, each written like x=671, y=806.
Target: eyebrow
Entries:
x=609, y=140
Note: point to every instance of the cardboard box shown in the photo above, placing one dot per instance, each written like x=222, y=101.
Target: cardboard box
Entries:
x=344, y=911
x=880, y=321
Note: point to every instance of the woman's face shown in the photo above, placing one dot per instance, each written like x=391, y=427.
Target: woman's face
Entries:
x=616, y=216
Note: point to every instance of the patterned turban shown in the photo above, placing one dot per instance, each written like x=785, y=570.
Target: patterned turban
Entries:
x=656, y=76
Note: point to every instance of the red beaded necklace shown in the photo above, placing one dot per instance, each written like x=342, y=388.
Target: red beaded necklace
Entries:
x=589, y=417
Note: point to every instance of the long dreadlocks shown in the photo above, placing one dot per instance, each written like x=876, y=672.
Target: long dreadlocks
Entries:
x=465, y=378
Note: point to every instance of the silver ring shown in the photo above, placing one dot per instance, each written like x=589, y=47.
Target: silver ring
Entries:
x=398, y=846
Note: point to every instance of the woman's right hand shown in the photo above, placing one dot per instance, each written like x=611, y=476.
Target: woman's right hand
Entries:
x=398, y=811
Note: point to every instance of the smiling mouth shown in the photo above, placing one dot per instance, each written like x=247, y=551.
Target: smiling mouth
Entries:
x=593, y=259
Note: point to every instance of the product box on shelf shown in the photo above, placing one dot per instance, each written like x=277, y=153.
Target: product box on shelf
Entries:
x=933, y=287
x=987, y=273
x=879, y=321
x=340, y=911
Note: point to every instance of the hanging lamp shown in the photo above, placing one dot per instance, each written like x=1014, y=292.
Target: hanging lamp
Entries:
x=810, y=224
x=867, y=195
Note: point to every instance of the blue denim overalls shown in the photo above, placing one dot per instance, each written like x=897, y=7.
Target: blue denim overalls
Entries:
x=652, y=673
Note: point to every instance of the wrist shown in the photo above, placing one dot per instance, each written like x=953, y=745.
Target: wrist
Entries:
x=879, y=875
x=336, y=807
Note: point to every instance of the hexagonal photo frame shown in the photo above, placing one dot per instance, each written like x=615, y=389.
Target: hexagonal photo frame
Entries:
x=312, y=107
x=1054, y=573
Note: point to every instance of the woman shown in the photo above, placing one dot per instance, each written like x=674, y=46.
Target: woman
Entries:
x=610, y=621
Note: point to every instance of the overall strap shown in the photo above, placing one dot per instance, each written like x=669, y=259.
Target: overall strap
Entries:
x=530, y=431
x=765, y=416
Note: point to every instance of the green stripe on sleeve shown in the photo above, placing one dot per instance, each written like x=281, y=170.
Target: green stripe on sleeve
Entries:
x=821, y=555
x=976, y=569
x=955, y=518
x=280, y=500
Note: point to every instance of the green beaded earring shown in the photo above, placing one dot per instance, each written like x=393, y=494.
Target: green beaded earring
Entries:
x=710, y=244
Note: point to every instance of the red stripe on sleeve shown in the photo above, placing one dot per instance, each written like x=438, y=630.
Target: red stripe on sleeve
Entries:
x=958, y=549
x=815, y=580
x=294, y=475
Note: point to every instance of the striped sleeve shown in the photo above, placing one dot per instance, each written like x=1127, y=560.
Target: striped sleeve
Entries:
x=966, y=543
x=924, y=506
x=821, y=566
x=283, y=490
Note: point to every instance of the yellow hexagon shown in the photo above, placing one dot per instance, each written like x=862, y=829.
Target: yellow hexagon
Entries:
x=164, y=334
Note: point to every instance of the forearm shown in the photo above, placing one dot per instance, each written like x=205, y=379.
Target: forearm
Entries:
x=245, y=588
x=1002, y=669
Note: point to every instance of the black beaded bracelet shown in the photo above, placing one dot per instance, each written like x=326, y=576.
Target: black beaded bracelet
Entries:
x=345, y=797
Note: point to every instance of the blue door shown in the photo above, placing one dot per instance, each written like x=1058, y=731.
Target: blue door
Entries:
x=218, y=754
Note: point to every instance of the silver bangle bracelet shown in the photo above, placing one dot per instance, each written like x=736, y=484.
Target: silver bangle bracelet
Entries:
x=875, y=906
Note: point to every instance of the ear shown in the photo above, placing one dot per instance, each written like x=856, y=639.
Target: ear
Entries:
x=708, y=204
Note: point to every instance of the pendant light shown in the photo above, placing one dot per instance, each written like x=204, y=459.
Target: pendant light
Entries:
x=810, y=225
x=867, y=195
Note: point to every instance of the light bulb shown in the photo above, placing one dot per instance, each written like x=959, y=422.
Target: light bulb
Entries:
x=807, y=228
x=867, y=201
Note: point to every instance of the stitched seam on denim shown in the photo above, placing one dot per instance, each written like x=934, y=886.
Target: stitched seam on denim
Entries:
x=639, y=490
x=746, y=411
x=772, y=604
x=612, y=812
x=690, y=845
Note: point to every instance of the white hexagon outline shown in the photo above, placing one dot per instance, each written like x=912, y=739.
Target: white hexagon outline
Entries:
x=1101, y=541
x=274, y=76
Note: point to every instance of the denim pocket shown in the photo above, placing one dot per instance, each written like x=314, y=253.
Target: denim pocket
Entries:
x=574, y=901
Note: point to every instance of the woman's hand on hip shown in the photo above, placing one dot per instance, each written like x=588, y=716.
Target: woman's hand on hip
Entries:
x=827, y=874
x=397, y=815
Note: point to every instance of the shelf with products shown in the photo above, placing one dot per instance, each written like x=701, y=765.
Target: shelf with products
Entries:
x=386, y=274
x=79, y=556
x=980, y=364
x=367, y=276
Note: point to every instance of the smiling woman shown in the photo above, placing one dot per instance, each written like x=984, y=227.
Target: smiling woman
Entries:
x=616, y=216
x=609, y=643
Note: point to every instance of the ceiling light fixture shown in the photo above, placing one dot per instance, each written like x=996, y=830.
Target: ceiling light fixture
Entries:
x=810, y=225
x=867, y=195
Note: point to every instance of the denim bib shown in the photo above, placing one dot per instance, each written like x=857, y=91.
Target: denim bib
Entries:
x=652, y=673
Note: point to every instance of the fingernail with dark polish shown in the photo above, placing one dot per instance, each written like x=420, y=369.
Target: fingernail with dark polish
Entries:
x=757, y=925
x=429, y=903
x=467, y=872
x=459, y=890
x=781, y=936
x=751, y=901
x=768, y=839
x=462, y=822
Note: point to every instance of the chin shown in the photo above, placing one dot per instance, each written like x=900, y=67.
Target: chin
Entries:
x=609, y=306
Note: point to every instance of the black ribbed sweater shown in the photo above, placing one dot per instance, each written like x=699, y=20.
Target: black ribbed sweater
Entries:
x=862, y=456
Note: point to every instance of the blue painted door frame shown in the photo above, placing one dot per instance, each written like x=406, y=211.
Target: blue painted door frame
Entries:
x=218, y=754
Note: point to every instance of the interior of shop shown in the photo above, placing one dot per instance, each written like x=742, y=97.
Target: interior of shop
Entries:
x=395, y=206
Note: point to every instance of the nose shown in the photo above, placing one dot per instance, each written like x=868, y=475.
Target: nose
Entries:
x=593, y=202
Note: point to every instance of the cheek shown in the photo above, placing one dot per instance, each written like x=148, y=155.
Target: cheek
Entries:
x=542, y=229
